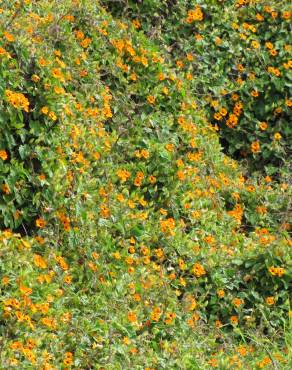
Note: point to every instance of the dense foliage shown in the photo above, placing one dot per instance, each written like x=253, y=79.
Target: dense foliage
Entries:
x=237, y=55
x=129, y=239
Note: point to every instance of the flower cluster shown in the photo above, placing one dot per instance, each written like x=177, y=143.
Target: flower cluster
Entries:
x=128, y=238
x=195, y=15
x=17, y=100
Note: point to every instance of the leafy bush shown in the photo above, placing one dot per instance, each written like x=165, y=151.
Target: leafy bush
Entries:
x=238, y=58
x=29, y=137
x=148, y=247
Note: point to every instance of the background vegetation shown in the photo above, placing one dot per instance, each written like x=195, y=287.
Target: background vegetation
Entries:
x=130, y=240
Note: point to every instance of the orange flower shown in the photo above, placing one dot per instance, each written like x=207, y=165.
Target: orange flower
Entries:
x=278, y=111
x=104, y=211
x=8, y=36
x=250, y=188
x=182, y=264
x=268, y=179
x=169, y=147
x=53, y=116
x=213, y=362
x=220, y=293
x=223, y=112
x=170, y=316
x=85, y=43
x=152, y=179
x=286, y=15
x=56, y=72
x=67, y=361
x=242, y=350
x=39, y=261
x=133, y=350
x=237, y=302
x=151, y=99
x=217, y=116
x=255, y=44
x=145, y=153
x=42, y=62
x=5, y=189
x=17, y=100
x=137, y=297
x=277, y=271
x=209, y=239
x=255, y=147
x=195, y=15
x=234, y=320
x=180, y=175
x=40, y=222
x=35, y=78
x=273, y=52
x=261, y=210
x=126, y=340
x=132, y=317
x=59, y=90
x=67, y=279
x=266, y=361
x=123, y=175
x=25, y=290
x=155, y=314
x=159, y=253
x=270, y=301
x=274, y=71
x=198, y=270
x=3, y=155
x=240, y=67
x=42, y=177
x=136, y=23
x=4, y=52
x=259, y=17
x=133, y=77
x=277, y=136
x=5, y=280
x=190, y=57
x=263, y=126
x=39, y=239
x=168, y=225
x=254, y=93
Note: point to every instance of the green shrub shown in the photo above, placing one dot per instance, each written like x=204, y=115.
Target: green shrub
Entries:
x=238, y=57
x=28, y=137
x=149, y=247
